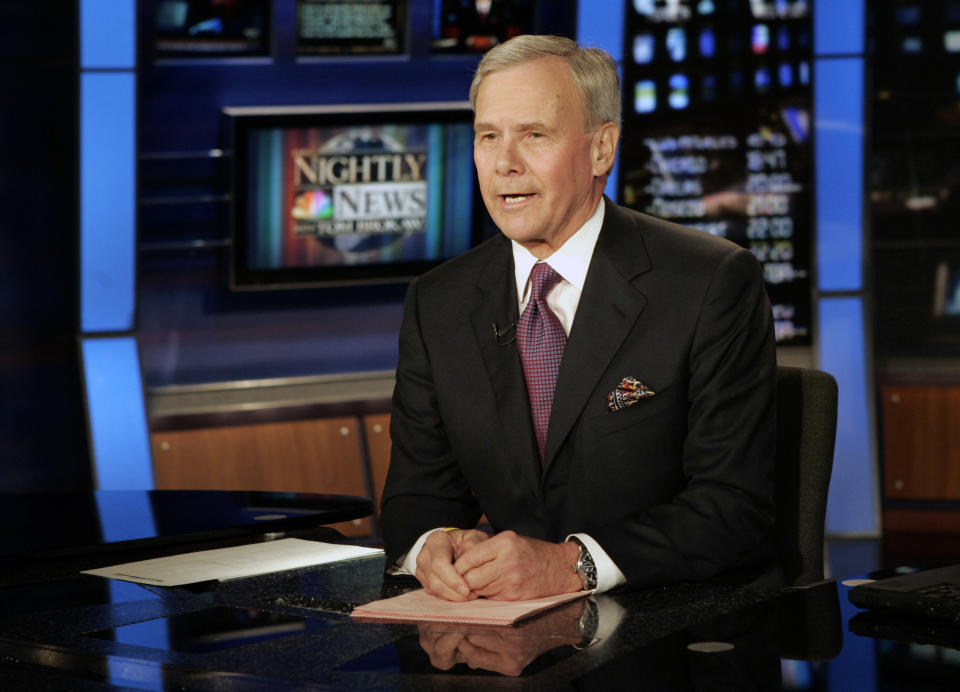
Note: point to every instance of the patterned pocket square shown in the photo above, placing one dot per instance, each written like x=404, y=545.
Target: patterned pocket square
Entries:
x=628, y=392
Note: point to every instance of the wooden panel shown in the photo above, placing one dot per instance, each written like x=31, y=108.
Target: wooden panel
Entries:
x=921, y=442
x=377, y=430
x=921, y=521
x=311, y=456
x=912, y=547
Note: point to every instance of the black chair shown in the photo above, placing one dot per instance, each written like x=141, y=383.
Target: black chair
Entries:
x=806, y=433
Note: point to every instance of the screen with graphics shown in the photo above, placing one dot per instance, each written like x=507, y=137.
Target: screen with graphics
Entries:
x=351, y=27
x=717, y=132
x=353, y=194
x=475, y=26
x=211, y=29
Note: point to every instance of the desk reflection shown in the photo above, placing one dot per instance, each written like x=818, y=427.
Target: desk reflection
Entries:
x=506, y=650
x=740, y=651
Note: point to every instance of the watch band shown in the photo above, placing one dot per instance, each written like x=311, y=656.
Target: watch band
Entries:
x=585, y=568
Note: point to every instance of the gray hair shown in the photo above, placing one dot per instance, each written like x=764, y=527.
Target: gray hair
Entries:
x=594, y=73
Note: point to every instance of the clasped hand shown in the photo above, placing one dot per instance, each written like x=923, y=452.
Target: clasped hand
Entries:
x=460, y=565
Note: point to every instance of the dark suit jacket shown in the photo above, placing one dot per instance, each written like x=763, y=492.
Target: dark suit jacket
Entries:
x=675, y=487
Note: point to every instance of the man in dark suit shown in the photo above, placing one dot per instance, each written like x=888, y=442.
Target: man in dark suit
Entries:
x=654, y=462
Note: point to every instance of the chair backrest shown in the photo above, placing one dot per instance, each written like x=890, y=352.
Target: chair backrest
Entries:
x=806, y=433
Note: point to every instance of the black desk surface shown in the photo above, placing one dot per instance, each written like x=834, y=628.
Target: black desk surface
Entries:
x=56, y=523
x=51, y=535
x=292, y=631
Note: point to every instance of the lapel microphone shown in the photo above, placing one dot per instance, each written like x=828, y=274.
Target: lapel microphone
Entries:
x=500, y=334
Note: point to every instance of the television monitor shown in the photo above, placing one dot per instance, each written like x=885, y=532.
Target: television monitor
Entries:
x=475, y=26
x=351, y=194
x=347, y=27
x=211, y=28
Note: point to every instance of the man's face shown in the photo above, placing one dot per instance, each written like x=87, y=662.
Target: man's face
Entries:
x=536, y=165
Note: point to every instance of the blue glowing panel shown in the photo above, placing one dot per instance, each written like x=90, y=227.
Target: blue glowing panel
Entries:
x=708, y=43
x=852, y=502
x=107, y=200
x=677, y=43
x=611, y=189
x=117, y=415
x=679, y=97
x=760, y=39
x=785, y=74
x=126, y=516
x=645, y=96
x=838, y=85
x=600, y=25
x=857, y=668
x=838, y=27
x=644, y=48
x=108, y=33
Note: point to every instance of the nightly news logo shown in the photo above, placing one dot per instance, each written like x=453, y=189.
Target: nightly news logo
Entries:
x=367, y=193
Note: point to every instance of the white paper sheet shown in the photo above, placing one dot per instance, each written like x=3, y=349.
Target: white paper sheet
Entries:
x=232, y=563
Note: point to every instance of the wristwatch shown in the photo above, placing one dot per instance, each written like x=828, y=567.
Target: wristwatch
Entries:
x=588, y=624
x=585, y=567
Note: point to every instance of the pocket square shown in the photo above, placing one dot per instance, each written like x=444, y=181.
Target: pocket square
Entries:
x=628, y=392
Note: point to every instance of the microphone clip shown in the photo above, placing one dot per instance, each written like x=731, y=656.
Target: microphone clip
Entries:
x=501, y=335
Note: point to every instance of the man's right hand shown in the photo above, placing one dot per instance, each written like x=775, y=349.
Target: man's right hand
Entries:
x=435, y=570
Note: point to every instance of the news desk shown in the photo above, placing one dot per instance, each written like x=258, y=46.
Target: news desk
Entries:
x=61, y=630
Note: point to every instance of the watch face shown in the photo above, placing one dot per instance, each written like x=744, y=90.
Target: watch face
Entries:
x=586, y=568
x=590, y=619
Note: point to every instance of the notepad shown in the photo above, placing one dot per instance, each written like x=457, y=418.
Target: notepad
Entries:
x=419, y=606
x=221, y=564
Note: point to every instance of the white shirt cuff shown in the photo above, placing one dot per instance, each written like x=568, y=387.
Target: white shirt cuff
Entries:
x=408, y=563
x=609, y=615
x=609, y=575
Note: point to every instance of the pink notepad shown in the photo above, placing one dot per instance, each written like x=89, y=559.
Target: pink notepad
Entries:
x=419, y=606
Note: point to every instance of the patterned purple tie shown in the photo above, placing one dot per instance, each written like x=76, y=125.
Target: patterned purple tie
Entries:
x=541, y=340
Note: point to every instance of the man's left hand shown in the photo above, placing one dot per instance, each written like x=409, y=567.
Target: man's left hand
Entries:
x=511, y=567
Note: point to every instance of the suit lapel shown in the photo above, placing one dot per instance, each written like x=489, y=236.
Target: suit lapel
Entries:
x=609, y=307
x=497, y=304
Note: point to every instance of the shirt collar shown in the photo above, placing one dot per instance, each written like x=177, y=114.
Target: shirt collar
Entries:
x=571, y=260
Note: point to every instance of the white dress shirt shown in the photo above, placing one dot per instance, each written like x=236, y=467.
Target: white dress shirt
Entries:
x=571, y=261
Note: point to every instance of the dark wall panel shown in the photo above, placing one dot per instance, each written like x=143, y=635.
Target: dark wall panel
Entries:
x=42, y=429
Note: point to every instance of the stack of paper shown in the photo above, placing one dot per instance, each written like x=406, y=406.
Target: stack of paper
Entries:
x=232, y=563
x=419, y=606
